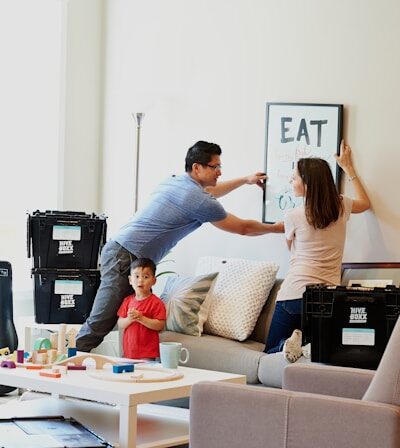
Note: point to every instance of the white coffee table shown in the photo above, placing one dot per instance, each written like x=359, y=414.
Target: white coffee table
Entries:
x=131, y=422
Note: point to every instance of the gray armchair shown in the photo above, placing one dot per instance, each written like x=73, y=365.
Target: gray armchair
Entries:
x=333, y=407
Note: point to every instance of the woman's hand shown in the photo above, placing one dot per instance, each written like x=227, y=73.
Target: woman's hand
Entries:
x=344, y=159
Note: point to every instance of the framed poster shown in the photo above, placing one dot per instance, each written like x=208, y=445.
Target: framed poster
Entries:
x=294, y=131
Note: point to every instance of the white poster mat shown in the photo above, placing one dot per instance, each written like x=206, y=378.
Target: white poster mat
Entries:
x=294, y=131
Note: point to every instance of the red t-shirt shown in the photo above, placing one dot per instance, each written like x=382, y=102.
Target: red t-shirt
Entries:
x=139, y=341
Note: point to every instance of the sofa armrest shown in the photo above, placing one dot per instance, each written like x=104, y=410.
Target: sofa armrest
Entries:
x=327, y=380
x=224, y=415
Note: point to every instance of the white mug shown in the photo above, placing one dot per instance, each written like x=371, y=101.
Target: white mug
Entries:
x=171, y=354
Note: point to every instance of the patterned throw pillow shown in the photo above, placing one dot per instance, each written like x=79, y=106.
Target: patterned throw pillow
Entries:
x=240, y=291
x=187, y=303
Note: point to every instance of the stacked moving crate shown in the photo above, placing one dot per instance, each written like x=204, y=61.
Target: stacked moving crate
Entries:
x=65, y=247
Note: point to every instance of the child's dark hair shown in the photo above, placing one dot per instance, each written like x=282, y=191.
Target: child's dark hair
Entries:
x=323, y=203
x=144, y=263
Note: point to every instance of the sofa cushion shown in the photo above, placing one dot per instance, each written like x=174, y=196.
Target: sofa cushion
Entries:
x=219, y=354
x=270, y=370
x=239, y=293
x=187, y=303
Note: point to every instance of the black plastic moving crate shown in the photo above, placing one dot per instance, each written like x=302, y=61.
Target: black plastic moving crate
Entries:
x=349, y=326
x=65, y=239
x=64, y=295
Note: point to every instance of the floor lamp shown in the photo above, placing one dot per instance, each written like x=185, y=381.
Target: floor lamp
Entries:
x=138, y=117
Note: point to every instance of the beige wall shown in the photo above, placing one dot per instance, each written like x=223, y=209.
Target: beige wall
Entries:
x=199, y=70
x=81, y=115
x=204, y=70
x=30, y=42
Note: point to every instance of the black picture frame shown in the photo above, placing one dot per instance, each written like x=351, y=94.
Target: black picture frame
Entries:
x=293, y=131
x=371, y=271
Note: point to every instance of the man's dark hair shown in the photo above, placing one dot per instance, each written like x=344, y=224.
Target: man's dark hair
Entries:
x=201, y=152
x=144, y=263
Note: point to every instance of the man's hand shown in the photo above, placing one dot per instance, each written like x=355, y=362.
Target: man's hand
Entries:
x=280, y=227
x=225, y=187
x=258, y=179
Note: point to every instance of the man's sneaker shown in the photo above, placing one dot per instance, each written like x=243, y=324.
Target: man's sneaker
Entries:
x=306, y=350
x=292, y=347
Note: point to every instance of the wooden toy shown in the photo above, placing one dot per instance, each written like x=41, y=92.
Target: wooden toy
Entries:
x=54, y=340
x=42, y=344
x=76, y=367
x=99, y=360
x=123, y=368
x=52, y=355
x=71, y=336
x=8, y=364
x=60, y=358
x=71, y=352
x=61, y=369
x=61, y=338
x=20, y=356
x=50, y=374
x=32, y=366
x=142, y=374
x=41, y=358
x=5, y=351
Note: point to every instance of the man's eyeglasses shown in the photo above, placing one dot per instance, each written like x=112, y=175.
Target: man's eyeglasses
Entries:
x=214, y=167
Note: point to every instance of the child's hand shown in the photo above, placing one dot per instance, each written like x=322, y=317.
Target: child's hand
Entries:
x=134, y=314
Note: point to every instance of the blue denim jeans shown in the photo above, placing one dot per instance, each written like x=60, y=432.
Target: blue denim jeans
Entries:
x=286, y=318
x=114, y=286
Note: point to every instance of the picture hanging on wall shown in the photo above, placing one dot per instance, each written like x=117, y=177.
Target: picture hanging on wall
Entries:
x=294, y=131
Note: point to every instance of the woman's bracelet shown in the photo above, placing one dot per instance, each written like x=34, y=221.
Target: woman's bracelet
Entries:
x=352, y=178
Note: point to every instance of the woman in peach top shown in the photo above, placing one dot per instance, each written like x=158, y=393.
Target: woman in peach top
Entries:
x=315, y=234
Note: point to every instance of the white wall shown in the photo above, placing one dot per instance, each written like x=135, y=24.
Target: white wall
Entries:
x=30, y=101
x=82, y=113
x=199, y=70
x=50, y=115
x=204, y=70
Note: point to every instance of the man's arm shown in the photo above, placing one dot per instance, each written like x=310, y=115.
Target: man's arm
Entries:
x=225, y=187
x=247, y=227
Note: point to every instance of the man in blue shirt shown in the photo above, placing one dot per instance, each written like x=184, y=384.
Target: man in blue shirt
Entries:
x=176, y=208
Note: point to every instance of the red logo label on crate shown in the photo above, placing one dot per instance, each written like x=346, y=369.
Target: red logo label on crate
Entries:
x=358, y=315
x=67, y=301
x=65, y=247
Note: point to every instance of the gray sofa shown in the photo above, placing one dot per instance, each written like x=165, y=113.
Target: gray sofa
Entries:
x=247, y=357
x=319, y=406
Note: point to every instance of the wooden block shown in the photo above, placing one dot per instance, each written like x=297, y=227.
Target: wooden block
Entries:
x=50, y=374
x=71, y=352
x=20, y=356
x=34, y=367
x=123, y=368
x=8, y=364
x=76, y=367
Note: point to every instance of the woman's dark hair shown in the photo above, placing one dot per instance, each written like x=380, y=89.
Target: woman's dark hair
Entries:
x=144, y=263
x=323, y=203
x=201, y=152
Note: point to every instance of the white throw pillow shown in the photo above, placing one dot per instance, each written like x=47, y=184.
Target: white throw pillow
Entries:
x=239, y=293
x=187, y=302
